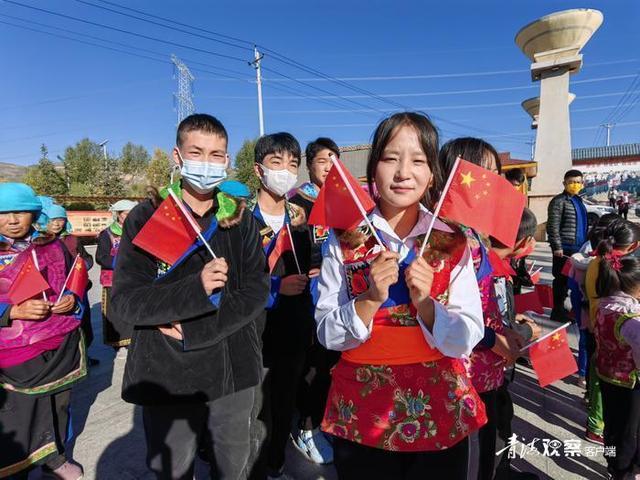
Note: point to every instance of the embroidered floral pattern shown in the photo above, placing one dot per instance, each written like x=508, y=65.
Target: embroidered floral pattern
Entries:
x=374, y=377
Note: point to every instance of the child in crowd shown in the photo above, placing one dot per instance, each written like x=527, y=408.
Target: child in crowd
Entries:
x=617, y=332
x=41, y=348
x=401, y=404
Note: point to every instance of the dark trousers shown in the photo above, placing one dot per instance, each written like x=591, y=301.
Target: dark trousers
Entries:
x=174, y=433
x=314, y=385
x=355, y=461
x=621, y=409
x=487, y=436
x=504, y=411
x=559, y=285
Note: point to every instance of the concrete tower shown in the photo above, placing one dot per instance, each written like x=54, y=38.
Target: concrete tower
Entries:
x=553, y=44
x=532, y=107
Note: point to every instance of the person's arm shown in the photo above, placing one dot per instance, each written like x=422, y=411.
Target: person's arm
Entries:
x=554, y=217
x=239, y=306
x=103, y=251
x=458, y=326
x=339, y=327
x=138, y=299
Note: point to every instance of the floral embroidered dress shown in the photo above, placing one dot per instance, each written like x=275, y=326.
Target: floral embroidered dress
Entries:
x=394, y=391
x=484, y=373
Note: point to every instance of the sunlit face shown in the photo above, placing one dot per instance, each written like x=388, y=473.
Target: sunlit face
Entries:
x=202, y=147
x=122, y=216
x=320, y=166
x=402, y=174
x=15, y=224
x=278, y=161
x=56, y=225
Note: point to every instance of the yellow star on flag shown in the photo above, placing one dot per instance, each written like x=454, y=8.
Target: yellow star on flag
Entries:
x=557, y=337
x=467, y=179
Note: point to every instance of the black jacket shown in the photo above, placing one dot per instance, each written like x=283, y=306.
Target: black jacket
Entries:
x=562, y=222
x=220, y=353
x=103, y=250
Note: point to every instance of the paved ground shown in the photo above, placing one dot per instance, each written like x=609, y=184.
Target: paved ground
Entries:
x=111, y=446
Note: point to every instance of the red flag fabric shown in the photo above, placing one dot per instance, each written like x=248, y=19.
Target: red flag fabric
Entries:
x=566, y=268
x=484, y=201
x=545, y=293
x=78, y=278
x=167, y=234
x=528, y=302
x=535, y=277
x=335, y=206
x=28, y=283
x=552, y=358
x=282, y=244
x=501, y=267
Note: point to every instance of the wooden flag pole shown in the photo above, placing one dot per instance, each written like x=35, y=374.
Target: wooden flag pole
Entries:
x=35, y=262
x=336, y=163
x=192, y=222
x=66, y=280
x=436, y=212
x=293, y=249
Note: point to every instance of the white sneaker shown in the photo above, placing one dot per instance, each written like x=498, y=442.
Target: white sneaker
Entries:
x=315, y=446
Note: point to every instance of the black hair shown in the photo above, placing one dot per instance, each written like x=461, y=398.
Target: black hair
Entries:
x=515, y=175
x=620, y=274
x=319, y=144
x=473, y=150
x=526, y=229
x=201, y=122
x=428, y=136
x=599, y=230
x=281, y=142
x=618, y=234
x=572, y=173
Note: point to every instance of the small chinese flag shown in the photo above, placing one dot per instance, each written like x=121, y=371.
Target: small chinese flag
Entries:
x=527, y=302
x=501, y=267
x=483, y=201
x=167, y=234
x=28, y=283
x=552, y=359
x=78, y=278
x=567, y=267
x=545, y=293
x=283, y=243
x=335, y=206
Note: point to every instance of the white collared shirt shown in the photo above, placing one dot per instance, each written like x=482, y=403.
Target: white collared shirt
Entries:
x=457, y=327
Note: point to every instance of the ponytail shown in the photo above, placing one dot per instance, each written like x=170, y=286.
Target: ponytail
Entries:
x=616, y=272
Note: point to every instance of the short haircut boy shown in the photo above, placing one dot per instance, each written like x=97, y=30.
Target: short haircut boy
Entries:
x=281, y=142
x=319, y=144
x=203, y=123
x=515, y=175
x=572, y=173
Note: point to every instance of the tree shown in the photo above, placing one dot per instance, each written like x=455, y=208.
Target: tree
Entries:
x=134, y=159
x=109, y=179
x=44, y=178
x=244, y=166
x=83, y=162
x=159, y=168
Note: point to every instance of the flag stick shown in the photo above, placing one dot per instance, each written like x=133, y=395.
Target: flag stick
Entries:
x=66, y=280
x=35, y=262
x=293, y=249
x=533, y=264
x=192, y=222
x=439, y=206
x=531, y=274
x=336, y=163
x=526, y=347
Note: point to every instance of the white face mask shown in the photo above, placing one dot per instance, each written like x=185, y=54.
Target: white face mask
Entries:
x=278, y=181
x=202, y=176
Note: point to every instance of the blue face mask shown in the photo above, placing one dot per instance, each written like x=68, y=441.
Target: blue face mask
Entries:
x=202, y=176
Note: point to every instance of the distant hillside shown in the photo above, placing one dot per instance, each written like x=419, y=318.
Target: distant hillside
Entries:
x=11, y=173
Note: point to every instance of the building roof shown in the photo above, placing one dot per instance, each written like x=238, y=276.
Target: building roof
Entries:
x=611, y=151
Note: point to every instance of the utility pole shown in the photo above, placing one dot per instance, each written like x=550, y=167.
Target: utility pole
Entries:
x=609, y=127
x=532, y=143
x=104, y=148
x=257, y=58
x=183, y=98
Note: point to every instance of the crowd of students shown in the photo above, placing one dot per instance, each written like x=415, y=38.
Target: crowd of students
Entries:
x=354, y=345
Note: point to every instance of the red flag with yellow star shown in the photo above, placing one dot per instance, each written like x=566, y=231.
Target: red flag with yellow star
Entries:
x=78, y=278
x=283, y=243
x=483, y=201
x=167, y=234
x=551, y=358
x=28, y=283
x=342, y=202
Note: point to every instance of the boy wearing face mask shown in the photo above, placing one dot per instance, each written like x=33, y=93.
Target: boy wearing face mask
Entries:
x=567, y=231
x=194, y=358
x=289, y=326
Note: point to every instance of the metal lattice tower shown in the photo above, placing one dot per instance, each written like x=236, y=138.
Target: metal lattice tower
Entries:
x=183, y=98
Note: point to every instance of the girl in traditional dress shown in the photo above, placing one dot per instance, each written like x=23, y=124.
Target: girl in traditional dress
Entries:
x=401, y=404
x=114, y=332
x=41, y=349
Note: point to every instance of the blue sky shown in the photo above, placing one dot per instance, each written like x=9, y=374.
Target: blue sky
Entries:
x=58, y=91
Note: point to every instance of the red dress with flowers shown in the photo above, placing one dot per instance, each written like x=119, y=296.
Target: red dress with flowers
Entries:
x=425, y=406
